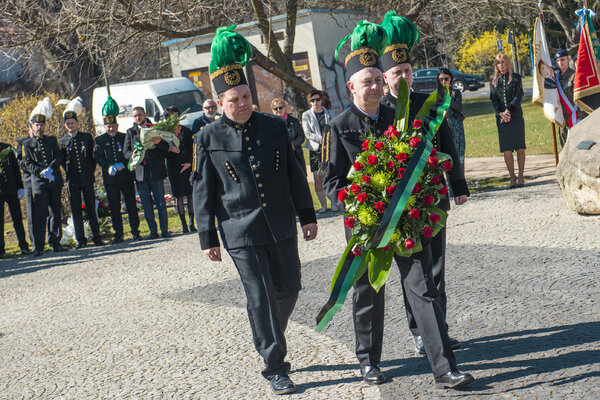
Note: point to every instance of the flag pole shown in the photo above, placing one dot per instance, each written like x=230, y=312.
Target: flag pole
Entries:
x=554, y=140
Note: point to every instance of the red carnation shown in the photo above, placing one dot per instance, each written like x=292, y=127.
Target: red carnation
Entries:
x=428, y=199
x=433, y=151
x=391, y=131
x=342, y=194
x=366, y=179
x=433, y=217
x=386, y=248
x=365, y=145
x=447, y=165
x=355, y=188
x=380, y=206
x=358, y=166
x=436, y=180
x=417, y=123
x=390, y=165
x=443, y=191
x=379, y=146
x=83, y=207
x=409, y=243
x=357, y=251
x=372, y=160
x=402, y=157
x=401, y=172
x=391, y=190
x=349, y=222
x=427, y=232
x=416, y=189
x=414, y=213
x=414, y=141
x=361, y=197
x=433, y=161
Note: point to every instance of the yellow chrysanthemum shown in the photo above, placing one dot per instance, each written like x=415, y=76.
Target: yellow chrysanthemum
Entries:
x=401, y=147
x=367, y=216
x=381, y=180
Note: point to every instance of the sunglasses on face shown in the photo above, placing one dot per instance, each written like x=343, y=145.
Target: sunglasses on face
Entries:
x=445, y=79
x=277, y=108
x=315, y=99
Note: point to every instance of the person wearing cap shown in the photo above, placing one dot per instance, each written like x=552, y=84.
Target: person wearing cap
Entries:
x=116, y=176
x=342, y=142
x=26, y=183
x=566, y=78
x=247, y=179
x=42, y=160
x=11, y=192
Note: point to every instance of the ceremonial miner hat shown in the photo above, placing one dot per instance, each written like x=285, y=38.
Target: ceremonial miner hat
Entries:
x=74, y=109
x=401, y=35
x=366, y=43
x=561, y=53
x=230, y=52
x=41, y=112
x=110, y=110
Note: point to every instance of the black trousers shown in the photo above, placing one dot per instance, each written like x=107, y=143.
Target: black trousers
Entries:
x=15, y=214
x=270, y=275
x=438, y=270
x=42, y=199
x=113, y=192
x=89, y=198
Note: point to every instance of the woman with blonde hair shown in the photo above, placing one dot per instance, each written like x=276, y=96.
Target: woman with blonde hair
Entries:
x=506, y=93
x=295, y=132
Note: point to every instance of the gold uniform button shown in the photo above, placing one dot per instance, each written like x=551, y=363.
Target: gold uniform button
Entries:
x=264, y=204
x=245, y=130
x=254, y=166
x=257, y=175
x=260, y=185
x=251, y=158
x=249, y=148
x=247, y=139
x=262, y=195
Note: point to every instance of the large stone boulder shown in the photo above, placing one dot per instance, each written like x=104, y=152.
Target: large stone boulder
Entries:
x=578, y=171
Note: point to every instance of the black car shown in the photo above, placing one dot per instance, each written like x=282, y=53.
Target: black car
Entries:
x=425, y=80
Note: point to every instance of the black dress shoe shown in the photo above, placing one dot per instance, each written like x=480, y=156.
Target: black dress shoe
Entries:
x=153, y=236
x=372, y=375
x=454, y=343
x=453, y=379
x=58, y=247
x=136, y=236
x=193, y=228
x=25, y=251
x=165, y=235
x=98, y=242
x=37, y=253
x=282, y=384
x=81, y=244
x=419, y=347
x=116, y=240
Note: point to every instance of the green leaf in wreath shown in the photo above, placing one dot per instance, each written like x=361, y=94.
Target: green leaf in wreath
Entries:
x=380, y=262
x=402, y=104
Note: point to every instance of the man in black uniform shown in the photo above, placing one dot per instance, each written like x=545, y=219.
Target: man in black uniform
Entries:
x=26, y=183
x=79, y=164
x=402, y=34
x=342, y=142
x=11, y=191
x=42, y=160
x=566, y=77
x=247, y=177
x=115, y=174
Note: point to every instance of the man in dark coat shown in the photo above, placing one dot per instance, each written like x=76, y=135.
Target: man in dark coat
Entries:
x=566, y=78
x=11, y=191
x=116, y=176
x=150, y=174
x=209, y=114
x=247, y=178
x=80, y=166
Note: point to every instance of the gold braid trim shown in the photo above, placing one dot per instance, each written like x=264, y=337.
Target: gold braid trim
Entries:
x=396, y=46
x=227, y=68
x=325, y=148
x=362, y=50
x=194, y=157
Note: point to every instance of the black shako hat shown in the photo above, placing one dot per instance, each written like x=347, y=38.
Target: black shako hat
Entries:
x=230, y=52
x=366, y=42
x=401, y=36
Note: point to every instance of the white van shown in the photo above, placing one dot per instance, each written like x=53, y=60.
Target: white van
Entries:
x=153, y=95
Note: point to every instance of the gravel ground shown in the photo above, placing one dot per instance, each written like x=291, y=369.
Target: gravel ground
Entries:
x=156, y=319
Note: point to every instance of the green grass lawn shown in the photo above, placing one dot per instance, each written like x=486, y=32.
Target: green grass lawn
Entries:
x=481, y=134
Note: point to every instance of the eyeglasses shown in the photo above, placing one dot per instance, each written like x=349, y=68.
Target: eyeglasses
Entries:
x=313, y=100
x=278, y=108
x=445, y=79
x=210, y=107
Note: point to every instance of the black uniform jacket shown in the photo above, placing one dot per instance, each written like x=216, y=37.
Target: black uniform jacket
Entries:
x=295, y=131
x=154, y=159
x=78, y=159
x=10, y=176
x=443, y=141
x=42, y=153
x=512, y=93
x=20, y=157
x=248, y=178
x=109, y=151
x=342, y=140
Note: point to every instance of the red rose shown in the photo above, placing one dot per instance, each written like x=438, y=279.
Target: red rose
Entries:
x=365, y=145
x=361, y=197
x=357, y=251
x=386, y=248
x=433, y=161
x=372, y=160
x=409, y=243
x=366, y=179
x=417, y=123
x=355, y=188
x=416, y=189
x=414, y=141
x=380, y=206
x=428, y=199
x=443, y=191
x=447, y=165
x=390, y=165
x=436, y=180
x=358, y=166
x=402, y=157
x=391, y=190
x=379, y=146
x=391, y=132
x=427, y=232
x=83, y=207
x=414, y=213
x=433, y=217
x=342, y=194
x=349, y=222
x=401, y=172
x=433, y=151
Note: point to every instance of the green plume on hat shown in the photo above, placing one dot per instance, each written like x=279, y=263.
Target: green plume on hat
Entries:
x=229, y=47
x=366, y=34
x=399, y=29
x=110, y=107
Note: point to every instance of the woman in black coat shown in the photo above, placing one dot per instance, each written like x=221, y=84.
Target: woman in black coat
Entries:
x=295, y=131
x=179, y=163
x=506, y=93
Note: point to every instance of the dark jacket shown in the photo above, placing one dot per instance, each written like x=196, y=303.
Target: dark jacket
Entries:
x=455, y=110
x=201, y=122
x=154, y=159
x=109, y=151
x=247, y=178
x=78, y=159
x=42, y=153
x=180, y=181
x=20, y=156
x=509, y=96
x=10, y=176
x=295, y=132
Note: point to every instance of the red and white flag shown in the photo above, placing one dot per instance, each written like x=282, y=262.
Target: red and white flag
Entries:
x=586, y=91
